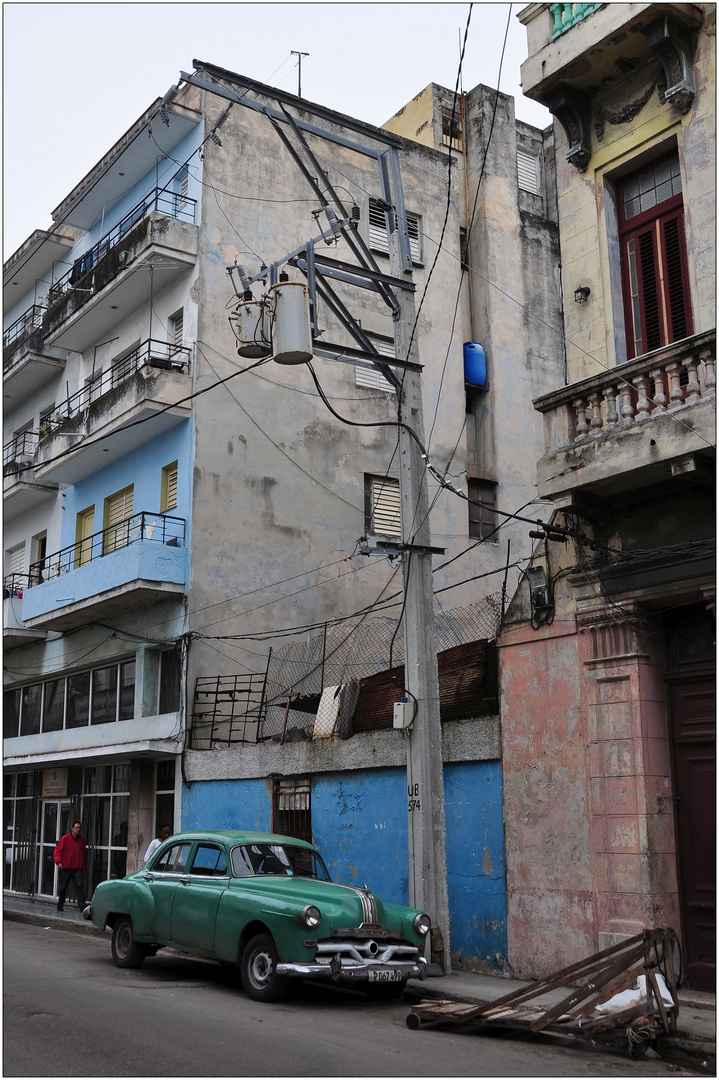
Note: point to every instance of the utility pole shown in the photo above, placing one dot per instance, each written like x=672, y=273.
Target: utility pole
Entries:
x=299, y=56
x=425, y=780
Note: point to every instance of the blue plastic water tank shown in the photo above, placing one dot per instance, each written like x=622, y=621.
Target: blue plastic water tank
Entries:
x=475, y=364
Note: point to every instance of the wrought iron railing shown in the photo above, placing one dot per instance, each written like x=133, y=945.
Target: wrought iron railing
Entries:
x=567, y=15
x=15, y=585
x=156, y=354
x=29, y=320
x=158, y=528
x=19, y=452
x=165, y=201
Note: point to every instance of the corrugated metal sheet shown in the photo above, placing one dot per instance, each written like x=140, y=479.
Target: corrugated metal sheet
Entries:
x=463, y=689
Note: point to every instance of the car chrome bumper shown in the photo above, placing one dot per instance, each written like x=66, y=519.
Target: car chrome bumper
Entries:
x=337, y=970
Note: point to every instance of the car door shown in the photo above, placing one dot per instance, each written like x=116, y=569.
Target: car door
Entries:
x=163, y=880
x=197, y=898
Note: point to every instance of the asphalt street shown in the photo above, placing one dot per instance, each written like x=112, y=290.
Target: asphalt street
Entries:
x=70, y=1012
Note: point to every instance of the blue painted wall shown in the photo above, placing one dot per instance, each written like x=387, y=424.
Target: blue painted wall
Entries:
x=359, y=823
x=143, y=468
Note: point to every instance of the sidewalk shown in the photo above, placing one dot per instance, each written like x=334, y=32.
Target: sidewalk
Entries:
x=696, y=1022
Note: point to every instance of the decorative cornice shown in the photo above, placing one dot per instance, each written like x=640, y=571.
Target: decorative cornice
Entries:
x=671, y=45
x=628, y=112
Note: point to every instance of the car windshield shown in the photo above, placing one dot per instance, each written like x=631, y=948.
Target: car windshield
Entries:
x=285, y=859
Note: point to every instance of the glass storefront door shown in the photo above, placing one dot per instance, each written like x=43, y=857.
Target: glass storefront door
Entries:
x=55, y=822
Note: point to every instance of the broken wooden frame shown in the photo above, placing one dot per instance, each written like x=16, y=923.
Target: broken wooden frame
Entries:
x=595, y=981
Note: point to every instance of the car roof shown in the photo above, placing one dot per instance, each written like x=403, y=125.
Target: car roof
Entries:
x=235, y=836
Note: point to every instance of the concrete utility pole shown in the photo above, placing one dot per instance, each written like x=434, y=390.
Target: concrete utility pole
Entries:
x=425, y=780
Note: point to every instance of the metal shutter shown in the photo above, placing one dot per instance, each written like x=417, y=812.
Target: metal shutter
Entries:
x=386, y=517
x=370, y=376
x=379, y=237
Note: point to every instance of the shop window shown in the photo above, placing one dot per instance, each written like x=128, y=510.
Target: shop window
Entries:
x=382, y=506
x=654, y=261
x=292, y=809
x=482, y=509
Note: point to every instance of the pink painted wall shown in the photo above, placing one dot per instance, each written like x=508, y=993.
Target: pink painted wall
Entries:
x=550, y=918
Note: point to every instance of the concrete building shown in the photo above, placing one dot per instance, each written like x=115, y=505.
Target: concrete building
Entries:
x=607, y=654
x=171, y=520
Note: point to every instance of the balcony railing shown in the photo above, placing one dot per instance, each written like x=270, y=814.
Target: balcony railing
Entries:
x=659, y=381
x=29, y=320
x=567, y=15
x=165, y=201
x=19, y=452
x=15, y=585
x=158, y=528
x=155, y=354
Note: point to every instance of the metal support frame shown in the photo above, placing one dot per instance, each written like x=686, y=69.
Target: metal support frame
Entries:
x=426, y=822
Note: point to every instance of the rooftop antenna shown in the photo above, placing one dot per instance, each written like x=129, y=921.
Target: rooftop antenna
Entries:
x=299, y=55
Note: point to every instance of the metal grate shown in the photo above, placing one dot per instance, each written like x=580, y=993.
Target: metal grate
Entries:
x=227, y=709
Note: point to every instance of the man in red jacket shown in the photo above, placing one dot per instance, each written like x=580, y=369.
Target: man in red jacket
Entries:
x=70, y=858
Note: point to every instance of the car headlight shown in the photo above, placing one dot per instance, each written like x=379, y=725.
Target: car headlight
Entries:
x=422, y=924
x=310, y=916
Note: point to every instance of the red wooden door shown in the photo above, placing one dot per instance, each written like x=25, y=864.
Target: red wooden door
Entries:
x=693, y=702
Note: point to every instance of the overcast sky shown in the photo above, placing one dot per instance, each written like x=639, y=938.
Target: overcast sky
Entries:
x=76, y=76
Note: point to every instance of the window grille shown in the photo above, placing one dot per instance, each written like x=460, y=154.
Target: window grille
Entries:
x=292, y=809
x=452, y=127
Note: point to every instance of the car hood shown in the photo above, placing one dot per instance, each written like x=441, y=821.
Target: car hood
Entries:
x=341, y=905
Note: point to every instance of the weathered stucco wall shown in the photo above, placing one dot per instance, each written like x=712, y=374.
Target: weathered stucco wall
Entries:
x=547, y=838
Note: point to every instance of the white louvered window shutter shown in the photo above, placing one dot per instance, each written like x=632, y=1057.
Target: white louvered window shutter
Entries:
x=386, y=517
x=528, y=175
x=372, y=378
x=379, y=236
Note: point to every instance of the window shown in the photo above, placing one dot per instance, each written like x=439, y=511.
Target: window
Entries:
x=379, y=236
x=291, y=809
x=15, y=560
x=101, y=695
x=482, y=519
x=39, y=551
x=452, y=127
x=84, y=525
x=372, y=378
x=93, y=389
x=165, y=795
x=46, y=419
x=180, y=186
x=654, y=262
x=176, y=327
x=174, y=860
x=382, y=506
x=124, y=365
x=528, y=174
x=105, y=817
x=170, y=672
x=168, y=494
x=118, y=511
x=209, y=861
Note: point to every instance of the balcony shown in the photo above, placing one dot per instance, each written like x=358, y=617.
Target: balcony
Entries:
x=20, y=490
x=642, y=423
x=14, y=630
x=134, y=564
x=100, y=423
x=156, y=239
x=27, y=363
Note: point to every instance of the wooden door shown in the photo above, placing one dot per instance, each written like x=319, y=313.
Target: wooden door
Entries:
x=693, y=701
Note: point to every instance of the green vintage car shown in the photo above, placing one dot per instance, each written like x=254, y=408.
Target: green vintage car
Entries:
x=265, y=903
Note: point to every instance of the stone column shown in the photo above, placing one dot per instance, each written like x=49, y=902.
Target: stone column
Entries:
x=630, y=806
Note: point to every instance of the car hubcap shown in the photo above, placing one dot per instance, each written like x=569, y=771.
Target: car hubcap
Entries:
x=261, y=968
x=123, y=941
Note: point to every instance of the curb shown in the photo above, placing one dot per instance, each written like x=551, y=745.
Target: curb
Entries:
x=55, y=922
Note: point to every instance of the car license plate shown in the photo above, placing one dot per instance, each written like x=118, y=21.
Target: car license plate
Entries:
x=385, y=976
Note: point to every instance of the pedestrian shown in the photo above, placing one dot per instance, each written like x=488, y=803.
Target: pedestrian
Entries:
x=152, y=847
x=70, y=858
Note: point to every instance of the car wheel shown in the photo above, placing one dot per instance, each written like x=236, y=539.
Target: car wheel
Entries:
x=385, y=991
x=260, y=980
x=126, y=952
